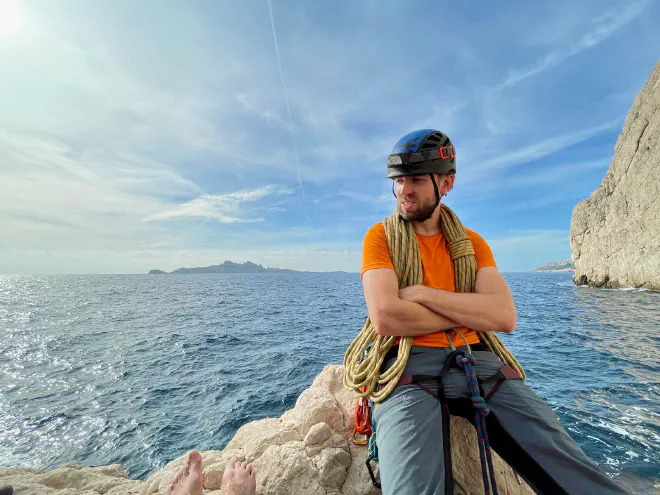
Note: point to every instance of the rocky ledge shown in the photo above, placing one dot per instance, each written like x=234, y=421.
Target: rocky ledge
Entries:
x=305, y=451
x=615, y=234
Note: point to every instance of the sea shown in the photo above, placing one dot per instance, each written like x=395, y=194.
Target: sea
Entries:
x=139, y=369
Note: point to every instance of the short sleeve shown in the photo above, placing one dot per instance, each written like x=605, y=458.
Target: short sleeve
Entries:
x=375, y=253
x=482, y=250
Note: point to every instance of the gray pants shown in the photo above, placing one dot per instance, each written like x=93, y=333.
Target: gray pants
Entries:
x=522, y=429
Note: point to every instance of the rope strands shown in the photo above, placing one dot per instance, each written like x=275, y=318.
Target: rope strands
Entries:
x=365, y=355
x=466, y=362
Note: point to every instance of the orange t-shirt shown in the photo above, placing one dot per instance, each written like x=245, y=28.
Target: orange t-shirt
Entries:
x=438, y=271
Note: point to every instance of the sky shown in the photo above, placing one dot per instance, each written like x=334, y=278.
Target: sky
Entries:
x=144, y=135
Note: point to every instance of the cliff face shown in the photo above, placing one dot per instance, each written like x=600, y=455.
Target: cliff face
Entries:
x=615, y=234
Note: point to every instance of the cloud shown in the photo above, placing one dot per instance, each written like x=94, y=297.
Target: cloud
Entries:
x=603, y=27
x=541, y=176
x=558, y=173
x=534, y=151
x=222, y=207
x=268, y=115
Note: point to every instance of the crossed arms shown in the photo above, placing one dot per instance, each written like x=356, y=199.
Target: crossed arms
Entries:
x=420, y=310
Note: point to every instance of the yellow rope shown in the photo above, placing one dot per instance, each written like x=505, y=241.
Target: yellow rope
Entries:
x=364, y=357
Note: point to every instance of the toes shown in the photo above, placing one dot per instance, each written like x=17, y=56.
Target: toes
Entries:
x=174, y=482
x=250, y=469
x=231, y=463
x=195, y=461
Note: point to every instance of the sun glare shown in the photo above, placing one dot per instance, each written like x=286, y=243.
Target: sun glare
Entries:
x=10, y=18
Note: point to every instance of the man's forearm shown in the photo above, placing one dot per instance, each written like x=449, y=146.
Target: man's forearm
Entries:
x=481, y=312
x=407, y=318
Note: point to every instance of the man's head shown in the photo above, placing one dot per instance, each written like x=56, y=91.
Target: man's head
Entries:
x=422, y=165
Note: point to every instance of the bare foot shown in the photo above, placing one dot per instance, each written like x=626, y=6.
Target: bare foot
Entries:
x=239, y=478
x=189, y=480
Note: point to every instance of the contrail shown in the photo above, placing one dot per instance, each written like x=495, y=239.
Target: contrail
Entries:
x=286, y=99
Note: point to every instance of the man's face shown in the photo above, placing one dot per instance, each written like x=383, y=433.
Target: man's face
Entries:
x=415, y=196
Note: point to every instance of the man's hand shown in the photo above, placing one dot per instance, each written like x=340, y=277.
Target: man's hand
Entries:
x=391, y=314
x=490, y=307
x=413, y=293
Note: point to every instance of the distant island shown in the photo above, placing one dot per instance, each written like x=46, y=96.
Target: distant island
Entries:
x=557, y=266
x=231, y=267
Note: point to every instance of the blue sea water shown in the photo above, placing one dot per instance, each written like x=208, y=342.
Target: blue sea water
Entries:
x=138, y=369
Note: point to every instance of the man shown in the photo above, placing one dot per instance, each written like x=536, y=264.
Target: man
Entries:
x=409, y=423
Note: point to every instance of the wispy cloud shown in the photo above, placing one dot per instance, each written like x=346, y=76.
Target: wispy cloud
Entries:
x=221, y=207
x=534, y=151
x=560, y=172
x=602, y=28
x=266, y=114
x=353, y=196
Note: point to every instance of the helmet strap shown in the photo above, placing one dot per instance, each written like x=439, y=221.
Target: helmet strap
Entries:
x=437, y=193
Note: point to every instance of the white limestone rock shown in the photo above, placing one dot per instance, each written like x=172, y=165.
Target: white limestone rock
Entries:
x=306, y=451
x=615, y=234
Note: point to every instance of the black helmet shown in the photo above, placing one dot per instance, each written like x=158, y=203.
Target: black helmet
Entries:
x=426, y=151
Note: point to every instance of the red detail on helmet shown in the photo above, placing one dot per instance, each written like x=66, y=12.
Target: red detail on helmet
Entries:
x=449, y=150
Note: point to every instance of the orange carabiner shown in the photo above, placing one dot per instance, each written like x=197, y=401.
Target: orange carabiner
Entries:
x=362, y=423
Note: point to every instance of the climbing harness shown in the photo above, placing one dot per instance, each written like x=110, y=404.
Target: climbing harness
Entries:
x=465, y=361
x=365, y=355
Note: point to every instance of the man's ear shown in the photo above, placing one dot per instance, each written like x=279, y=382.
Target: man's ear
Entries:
x=446, y=183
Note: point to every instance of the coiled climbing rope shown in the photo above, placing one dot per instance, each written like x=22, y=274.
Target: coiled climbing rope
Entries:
x=365, y=355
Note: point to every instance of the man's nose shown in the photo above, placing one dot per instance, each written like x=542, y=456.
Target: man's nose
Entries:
x=406, y=187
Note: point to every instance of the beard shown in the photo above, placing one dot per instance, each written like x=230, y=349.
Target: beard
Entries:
x=423, y=212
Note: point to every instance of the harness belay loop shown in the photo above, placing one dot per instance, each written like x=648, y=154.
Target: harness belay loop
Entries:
x=481, y=410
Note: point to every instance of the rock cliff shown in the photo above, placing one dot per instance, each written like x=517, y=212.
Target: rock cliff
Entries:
x=615, y=234
x=305, y=451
